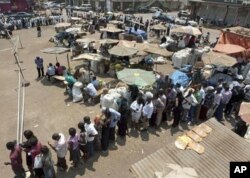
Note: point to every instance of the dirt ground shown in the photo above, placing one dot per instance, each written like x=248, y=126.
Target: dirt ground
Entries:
x=49, y=110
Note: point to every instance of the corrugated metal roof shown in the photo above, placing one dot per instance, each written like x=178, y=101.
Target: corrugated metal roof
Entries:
x=221, y=147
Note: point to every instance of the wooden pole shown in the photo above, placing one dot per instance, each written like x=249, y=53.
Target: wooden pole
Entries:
x=68, y=61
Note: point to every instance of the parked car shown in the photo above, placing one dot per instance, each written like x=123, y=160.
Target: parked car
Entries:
x=185, y=21
x=129, y=11
x=183, y=13
x=143, y=10
x=155, y=9
x=164, y=17
x=56, y=11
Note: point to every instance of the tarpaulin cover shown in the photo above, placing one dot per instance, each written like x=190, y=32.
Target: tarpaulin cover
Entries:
x=180, y=77
x=234, y=37
x=214, y=80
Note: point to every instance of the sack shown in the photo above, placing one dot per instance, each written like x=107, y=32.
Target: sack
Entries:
x=38, y=162
x=211, y=112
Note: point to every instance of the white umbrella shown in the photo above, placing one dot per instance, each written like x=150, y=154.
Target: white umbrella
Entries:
x=61, y=25
x=89, y=57
x=187, y=30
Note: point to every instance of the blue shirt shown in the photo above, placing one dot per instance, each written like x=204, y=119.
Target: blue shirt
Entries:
x=39, y=63
x=115, y=117
x=95, y=83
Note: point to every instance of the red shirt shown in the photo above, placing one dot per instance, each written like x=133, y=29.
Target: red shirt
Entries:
x=16, y=158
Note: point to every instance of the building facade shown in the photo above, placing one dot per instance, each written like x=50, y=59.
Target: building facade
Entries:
x=15, y=5
x=230, y=12
x=124, y=4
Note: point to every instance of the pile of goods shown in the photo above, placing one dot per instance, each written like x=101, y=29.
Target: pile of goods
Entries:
x=187, y=56
x=192, y=139
x=111, y=99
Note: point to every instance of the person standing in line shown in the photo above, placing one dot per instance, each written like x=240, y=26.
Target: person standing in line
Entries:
x=90, y=135
x=39, y=30
x=28, y=134
x=105, y=134
x=16, y=161
x=47, y=162
x=147, y=111
x=217, y=103
x=177, y=111
x=160, y=106
x=122, y=123
x=60, y=147
x=82, y=141
x=39, y=66
x=73, y=146
x=188, y=105
x=136, y=110
x=226, y=96
x=114, y=117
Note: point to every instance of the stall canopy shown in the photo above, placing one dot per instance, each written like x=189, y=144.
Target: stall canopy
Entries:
x=158, y=51
x=159, y=27
x=122, y=51
x=229, y=48
x=85, y=40
x=235, y=35
x=138, y=77
x=55, y=50
x=89, y=57
x=218, y=59
x=108, y=41
x=187, y=30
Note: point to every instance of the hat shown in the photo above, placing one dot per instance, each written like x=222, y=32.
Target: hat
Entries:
x=210, y=88
x=82, y=70
x=149, y=95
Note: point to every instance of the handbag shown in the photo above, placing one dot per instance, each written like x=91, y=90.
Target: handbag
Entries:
x=38, y=162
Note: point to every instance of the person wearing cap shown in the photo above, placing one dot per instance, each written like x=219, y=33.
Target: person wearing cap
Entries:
x=61, y=148
x=16, y=161
x=90, y=135
x=39, y=66
x=114, y=117
x=188, y=104
x=147, y=112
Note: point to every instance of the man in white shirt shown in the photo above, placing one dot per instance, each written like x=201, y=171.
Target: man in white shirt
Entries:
x=90, y=135
x=60, y=147
x=147, y=112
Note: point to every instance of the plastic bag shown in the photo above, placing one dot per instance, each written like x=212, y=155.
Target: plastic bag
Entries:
x=38, y=161
x=76, y=92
